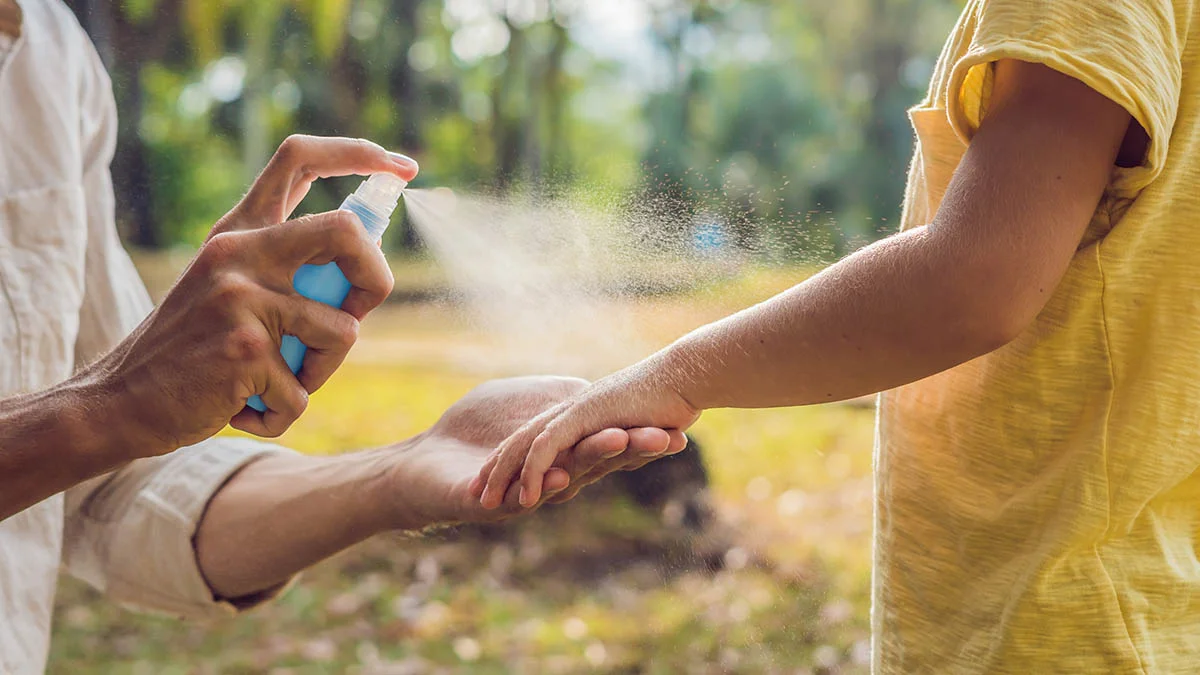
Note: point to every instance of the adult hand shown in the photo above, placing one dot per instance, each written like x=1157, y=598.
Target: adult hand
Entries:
x=189, y=368
x=634, y=397
x=429, y=479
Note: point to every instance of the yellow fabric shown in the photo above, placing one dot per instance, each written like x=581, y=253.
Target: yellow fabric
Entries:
x=1038, y=508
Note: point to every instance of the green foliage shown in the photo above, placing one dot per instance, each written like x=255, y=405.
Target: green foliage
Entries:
x=139, y=10
x=784, y=121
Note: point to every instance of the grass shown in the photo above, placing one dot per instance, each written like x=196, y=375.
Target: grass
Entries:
x=599, y=585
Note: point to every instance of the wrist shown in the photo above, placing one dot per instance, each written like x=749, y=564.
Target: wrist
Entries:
x=676, y=367
x=82, y=414
x=393, y=488
x=415, y=497
x=107, y=410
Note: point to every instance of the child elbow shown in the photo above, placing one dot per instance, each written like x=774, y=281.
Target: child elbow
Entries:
x=997, y=325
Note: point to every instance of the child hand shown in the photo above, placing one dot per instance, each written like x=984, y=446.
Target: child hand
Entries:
x=628, y=399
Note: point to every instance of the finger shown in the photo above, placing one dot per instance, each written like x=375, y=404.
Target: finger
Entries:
x=626, y=461
x=635, y=462
x=593, y=450
x=300, y=160
x=475, y=487
x=480, y=481
x=556, y=482
x=566, y=495
x=645, y=445
x=542, y=453
x=285, y=400
x=335, y=236
x=648, y=441
x=508, y=506
x=328, y=332
x=653, y=448
x=510, y=456
x=679, y=441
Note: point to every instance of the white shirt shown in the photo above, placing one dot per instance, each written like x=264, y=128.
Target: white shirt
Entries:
x=68, y=293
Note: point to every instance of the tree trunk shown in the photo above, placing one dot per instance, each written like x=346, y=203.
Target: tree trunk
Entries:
x=506, y=122
x=404, y=88
x=124, y=46
x=403, y=85
x=884, y=59
x=259, y=23
x=557, y=158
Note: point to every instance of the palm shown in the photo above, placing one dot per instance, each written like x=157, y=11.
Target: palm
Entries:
x=437, y=469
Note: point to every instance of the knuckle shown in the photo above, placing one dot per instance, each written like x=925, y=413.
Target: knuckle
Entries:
x=367, y=147
x=346, y=332
x=275, y=428
x=227, y=223
x=541, y=445
x=290, y=147
x=342, y=230
x=245, y=344
x=387, y=281
x=297, y=405
x=218, y=250
x=346, y=224
x=230, y=290
x=308, y=174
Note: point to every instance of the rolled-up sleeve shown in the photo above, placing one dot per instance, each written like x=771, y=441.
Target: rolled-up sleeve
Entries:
x=130, y=533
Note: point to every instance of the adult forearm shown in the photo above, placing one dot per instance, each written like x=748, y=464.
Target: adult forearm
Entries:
x=54, y=439
x=283, y=513
x=884, y=317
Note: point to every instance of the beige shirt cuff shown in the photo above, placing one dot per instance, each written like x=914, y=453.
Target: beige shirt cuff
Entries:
x=130, y=533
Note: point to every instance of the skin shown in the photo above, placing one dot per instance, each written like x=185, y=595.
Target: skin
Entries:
x=908, y=307
x=284, y=513
x=190, y=367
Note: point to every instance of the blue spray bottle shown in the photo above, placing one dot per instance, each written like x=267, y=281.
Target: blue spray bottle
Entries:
x=373, y=203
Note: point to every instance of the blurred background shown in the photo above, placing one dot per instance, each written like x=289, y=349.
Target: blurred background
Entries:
x=780, y=124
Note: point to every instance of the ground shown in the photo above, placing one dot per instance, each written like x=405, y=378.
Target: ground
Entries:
x=779, y=586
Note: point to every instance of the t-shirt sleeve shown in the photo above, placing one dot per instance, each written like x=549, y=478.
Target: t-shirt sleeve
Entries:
x=1127, y=50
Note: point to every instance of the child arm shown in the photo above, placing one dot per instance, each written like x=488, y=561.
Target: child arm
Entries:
x=903, y=309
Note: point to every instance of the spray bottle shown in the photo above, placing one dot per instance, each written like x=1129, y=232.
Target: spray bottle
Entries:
x=373, y=203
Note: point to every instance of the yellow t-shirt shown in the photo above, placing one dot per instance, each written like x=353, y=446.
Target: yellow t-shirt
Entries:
x=1038, y=508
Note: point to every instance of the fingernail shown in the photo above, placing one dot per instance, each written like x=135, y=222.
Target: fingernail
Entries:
x=524, y=498
x=404, y=160
x=610, y=455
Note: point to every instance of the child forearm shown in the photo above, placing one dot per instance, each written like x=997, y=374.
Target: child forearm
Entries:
x=891, y=314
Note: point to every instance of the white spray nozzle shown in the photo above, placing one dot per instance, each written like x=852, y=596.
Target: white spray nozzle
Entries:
x=374, y=201
x=381, y=192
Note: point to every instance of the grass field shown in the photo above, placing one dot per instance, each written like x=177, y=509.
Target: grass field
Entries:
x=595, y=586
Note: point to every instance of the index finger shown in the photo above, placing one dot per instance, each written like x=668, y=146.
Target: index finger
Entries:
x=301, y=160
x=335, y=236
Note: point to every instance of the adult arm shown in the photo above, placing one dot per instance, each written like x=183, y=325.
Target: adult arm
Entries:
x=910, y=306
x=187, y=370
x=283, y=513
